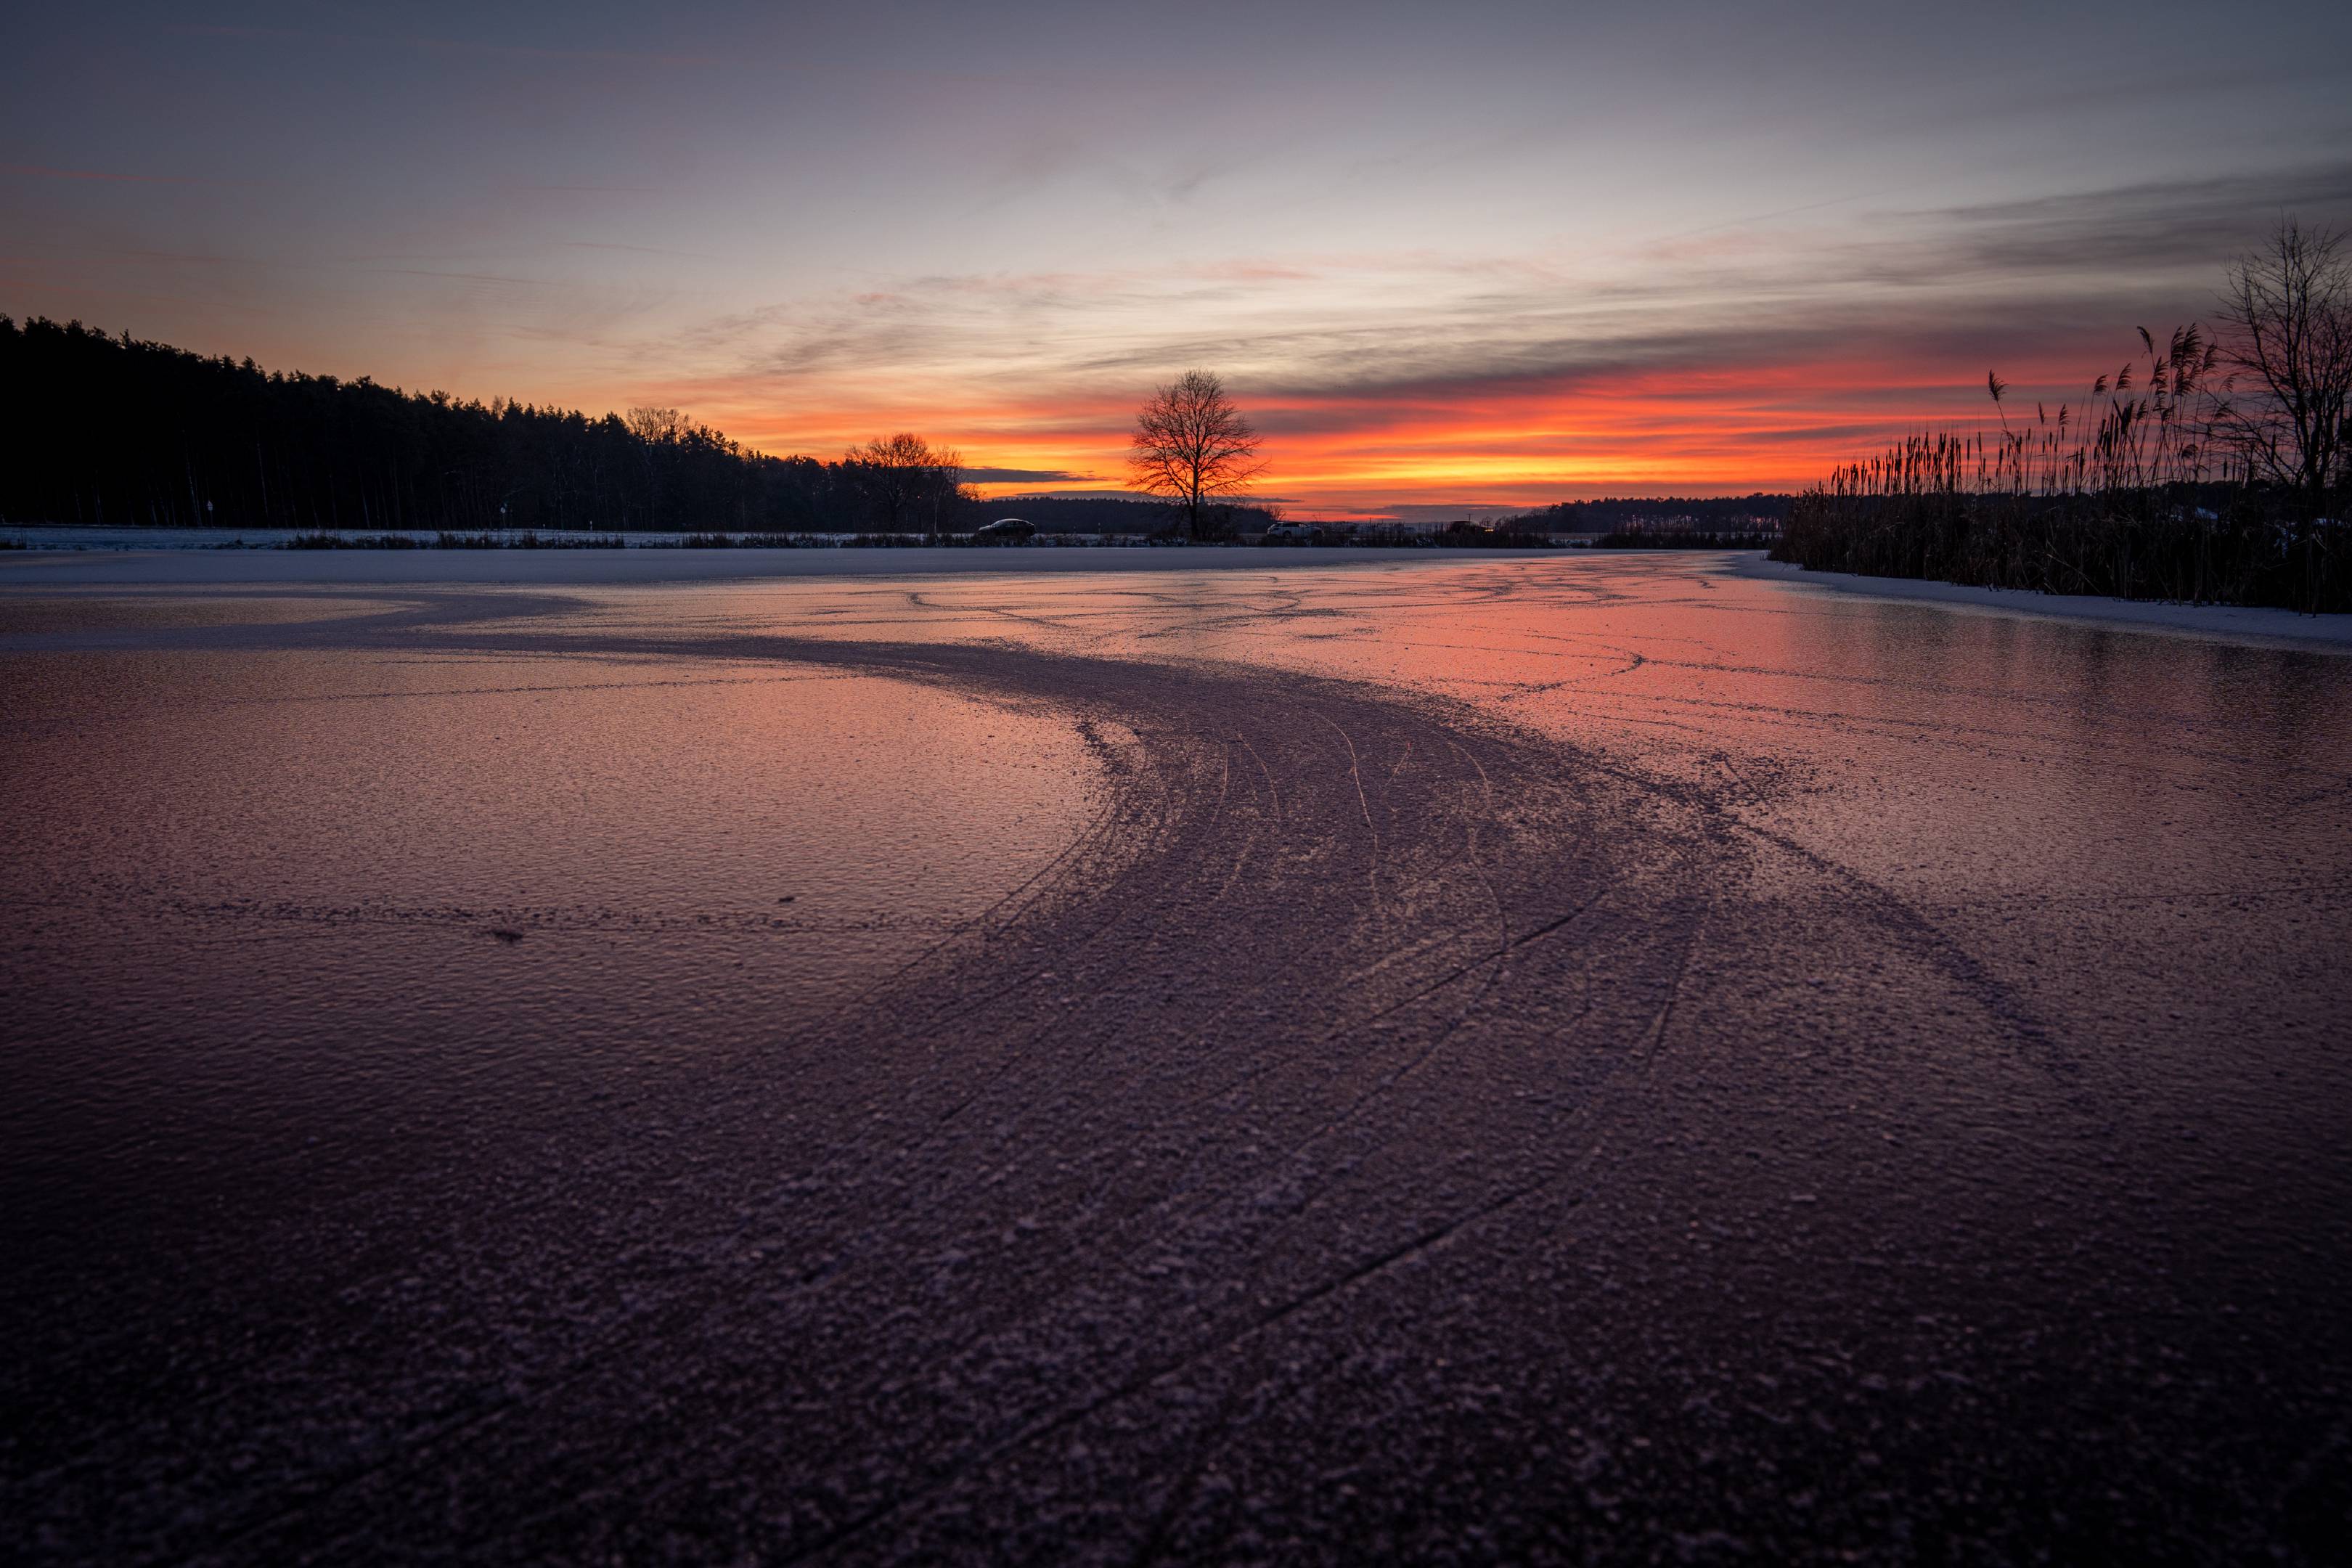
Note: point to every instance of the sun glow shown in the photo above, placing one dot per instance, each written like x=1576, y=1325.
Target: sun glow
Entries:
x=1686, y=431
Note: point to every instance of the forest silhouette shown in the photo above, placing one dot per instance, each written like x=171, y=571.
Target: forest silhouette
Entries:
x=117, y=431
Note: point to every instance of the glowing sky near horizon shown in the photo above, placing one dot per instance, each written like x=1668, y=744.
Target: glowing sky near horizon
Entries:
x=1444, y=255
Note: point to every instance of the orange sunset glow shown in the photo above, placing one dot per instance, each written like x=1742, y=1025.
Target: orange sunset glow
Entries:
x=1654, y=275
x=1629, y=432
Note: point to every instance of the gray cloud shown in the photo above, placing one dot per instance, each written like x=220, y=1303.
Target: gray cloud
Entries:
x=1992, y=280
x=2139, y=228
x=1022, y=476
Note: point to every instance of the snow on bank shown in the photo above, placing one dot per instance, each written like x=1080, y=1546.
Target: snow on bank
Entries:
x=76, y=536
x=2232, y=622
x=37, y=569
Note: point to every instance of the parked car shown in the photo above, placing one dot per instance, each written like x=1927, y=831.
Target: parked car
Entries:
x=1293, y=533
x=1006, y=531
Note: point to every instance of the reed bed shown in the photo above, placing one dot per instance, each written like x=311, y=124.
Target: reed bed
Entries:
x=2130, y=494
x=320, y=539
x=1685, y=538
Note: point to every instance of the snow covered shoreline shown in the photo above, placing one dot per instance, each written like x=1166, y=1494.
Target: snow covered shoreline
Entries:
x=2265, y=628
x=37, y=568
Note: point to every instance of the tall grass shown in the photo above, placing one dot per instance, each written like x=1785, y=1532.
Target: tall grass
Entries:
x=320, y=539
x=2127, y=495
x=1693, y=539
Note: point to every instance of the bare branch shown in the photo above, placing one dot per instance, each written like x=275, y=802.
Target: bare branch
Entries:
x=1192, y=445
x=2286, y=315
x=908, y=484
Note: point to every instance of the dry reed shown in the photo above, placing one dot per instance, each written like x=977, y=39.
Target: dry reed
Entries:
x=2130, y=496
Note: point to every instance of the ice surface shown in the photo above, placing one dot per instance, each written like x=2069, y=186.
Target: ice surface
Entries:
x=1597, y=1058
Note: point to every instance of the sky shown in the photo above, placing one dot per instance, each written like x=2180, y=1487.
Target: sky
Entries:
x=1445, y=256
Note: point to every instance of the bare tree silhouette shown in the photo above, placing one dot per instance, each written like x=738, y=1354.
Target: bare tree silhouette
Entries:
x=652, y=426
x=912, y=485
x=2286, y=316
x=1193, y=446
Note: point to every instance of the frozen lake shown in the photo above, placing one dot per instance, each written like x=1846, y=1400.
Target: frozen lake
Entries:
x=1594, y=1057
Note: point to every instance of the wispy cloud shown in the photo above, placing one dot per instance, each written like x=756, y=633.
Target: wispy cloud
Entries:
x=468, y=276
x=436, y=45
x=1024, y=476
x=632, y=249
x=41, y=172
x=1758, y=361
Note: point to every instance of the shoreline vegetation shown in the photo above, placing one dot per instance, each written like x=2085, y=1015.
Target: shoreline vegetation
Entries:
x=220, y=443
x=2207, y=470
x=46, y=536
x=531, y=540
x=2120, y=513
x=226, y=446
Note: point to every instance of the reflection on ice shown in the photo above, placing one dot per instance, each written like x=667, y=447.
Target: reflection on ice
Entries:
x=1609, y=1052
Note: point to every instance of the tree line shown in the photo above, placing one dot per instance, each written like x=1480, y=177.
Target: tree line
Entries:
x=1743, y=514
x=113, y=430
